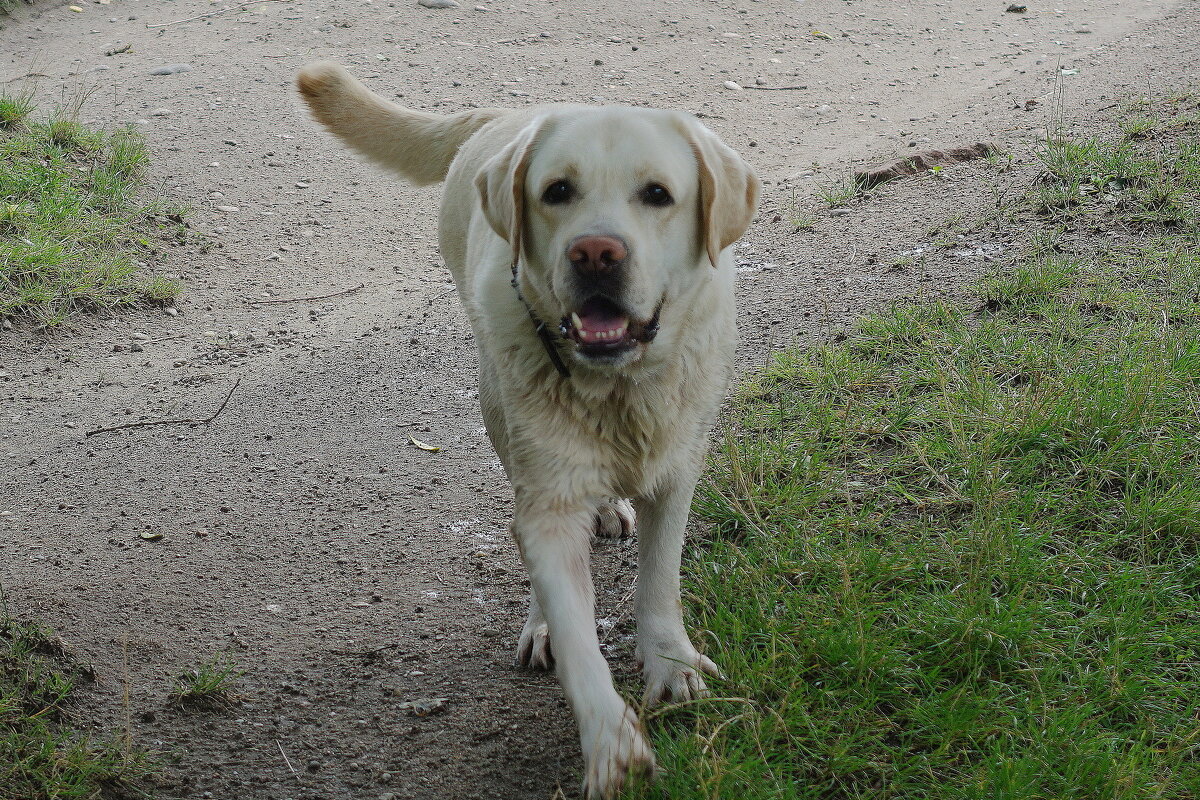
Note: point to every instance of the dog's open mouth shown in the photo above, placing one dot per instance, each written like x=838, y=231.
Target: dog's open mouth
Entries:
x=601, y=328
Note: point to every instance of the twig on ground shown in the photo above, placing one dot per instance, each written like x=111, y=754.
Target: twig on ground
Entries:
x=192, y=420
x=27, y=75
x=238, y=7
x=286, y=760
x=776, y=88
x=299, y=299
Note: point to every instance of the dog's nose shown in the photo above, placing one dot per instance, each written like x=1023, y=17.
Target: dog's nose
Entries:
x=597, y=254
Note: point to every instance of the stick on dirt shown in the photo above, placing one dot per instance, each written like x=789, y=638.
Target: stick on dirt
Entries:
x=315, y=297
x=191, y=420
x=238, y=7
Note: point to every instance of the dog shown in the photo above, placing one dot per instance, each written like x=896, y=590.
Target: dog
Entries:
x=590, y=248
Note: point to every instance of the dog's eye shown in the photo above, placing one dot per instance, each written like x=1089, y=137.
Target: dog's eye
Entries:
x=655, y=194
x=558, y=193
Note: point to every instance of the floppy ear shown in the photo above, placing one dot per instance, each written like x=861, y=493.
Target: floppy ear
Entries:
x=501, y=185
x=728, y=190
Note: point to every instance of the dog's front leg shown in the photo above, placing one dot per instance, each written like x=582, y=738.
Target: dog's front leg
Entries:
x=555, y=548
x=673, y=669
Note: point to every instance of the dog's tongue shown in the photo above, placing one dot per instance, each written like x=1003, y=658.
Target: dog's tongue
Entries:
x=600, y=319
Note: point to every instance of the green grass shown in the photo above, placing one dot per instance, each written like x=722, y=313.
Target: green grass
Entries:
x=837, y=194
x=42, y=755
x=72, y=229
x=958, y=554
x=209, y=685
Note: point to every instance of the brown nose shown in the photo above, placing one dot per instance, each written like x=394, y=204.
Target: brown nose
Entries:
x=597, y=253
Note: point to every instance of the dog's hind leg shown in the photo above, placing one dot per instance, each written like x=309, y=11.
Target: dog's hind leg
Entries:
x=554, y=543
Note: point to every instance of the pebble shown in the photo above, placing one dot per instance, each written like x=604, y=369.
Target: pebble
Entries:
x=161, y=112
x=302, y=185
x=228, y=209
x=171, y=312
x=171, y=69
x=438, y=3
x=732, y=85
x=141, y=337
x=839, y=212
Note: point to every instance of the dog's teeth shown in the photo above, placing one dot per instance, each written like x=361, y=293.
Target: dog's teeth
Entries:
x=576, y=321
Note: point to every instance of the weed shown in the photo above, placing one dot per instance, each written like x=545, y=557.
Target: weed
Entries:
x=14, y=110
x=837, y=194
x=209, y=685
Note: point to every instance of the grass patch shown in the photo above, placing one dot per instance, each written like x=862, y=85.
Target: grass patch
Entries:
x=209, y=685
x=958, y=554
x=838, y=193
x=42, y=755
x=73, y=232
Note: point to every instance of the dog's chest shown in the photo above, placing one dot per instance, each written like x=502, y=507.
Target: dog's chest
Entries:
x=637, y=435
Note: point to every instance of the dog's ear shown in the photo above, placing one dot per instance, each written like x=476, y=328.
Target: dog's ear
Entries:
x=728, y=190
x=501, y=185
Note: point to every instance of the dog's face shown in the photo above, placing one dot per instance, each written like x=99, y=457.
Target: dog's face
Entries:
x=615, y=214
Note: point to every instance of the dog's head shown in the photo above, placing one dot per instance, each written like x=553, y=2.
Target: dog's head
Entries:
x=617, y=217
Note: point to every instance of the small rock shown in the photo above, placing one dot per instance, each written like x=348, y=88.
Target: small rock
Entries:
x=135, y=348
x=150, y=536
x=302, y=185
x=161, y=112
x=425, y=706
x=482, y=8
x=438, y=3
x=732, y=86
x=171, y=312
x=76, y=9
x=228, y=209
x=1016, y=9
x=839, y=212
x=171, y=69
x=141, y=337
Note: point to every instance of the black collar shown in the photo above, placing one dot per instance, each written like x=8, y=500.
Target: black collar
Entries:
x=539, y=327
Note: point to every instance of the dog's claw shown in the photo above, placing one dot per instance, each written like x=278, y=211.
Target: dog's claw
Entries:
x=533, y=648
x=673, y=680
x=615, y=519
x=614, y=757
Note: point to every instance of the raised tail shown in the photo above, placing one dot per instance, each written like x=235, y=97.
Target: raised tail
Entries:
x=416, y=144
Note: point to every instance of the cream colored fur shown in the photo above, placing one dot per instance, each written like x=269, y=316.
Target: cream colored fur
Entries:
x=633, y=426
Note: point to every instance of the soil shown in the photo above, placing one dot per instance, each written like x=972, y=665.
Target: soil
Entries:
x=348, y=571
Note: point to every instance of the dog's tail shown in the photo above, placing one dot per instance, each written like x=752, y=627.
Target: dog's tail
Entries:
x=416, y=144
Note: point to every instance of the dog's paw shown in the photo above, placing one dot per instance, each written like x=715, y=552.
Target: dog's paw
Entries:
x=676, y=675
x=613, y=753
x=615, y=519
x=533, y=647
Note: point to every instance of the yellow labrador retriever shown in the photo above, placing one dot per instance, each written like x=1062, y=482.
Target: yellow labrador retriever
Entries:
x=589, y=246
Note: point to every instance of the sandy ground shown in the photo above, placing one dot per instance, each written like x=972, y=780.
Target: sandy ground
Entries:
x=347, y=571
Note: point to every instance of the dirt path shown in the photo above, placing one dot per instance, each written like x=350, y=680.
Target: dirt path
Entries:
x=345, y=569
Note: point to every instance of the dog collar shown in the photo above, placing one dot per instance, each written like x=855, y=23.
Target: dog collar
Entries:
x=540, y=328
